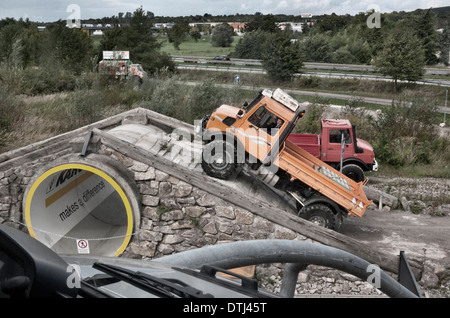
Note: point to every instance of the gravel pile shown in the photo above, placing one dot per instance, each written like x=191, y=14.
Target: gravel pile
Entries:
x=318, y=281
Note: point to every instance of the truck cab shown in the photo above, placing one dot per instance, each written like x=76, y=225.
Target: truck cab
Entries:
x=358, y=155
x=256, y=136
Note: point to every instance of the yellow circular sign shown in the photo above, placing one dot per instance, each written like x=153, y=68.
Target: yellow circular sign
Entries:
x=78, y=196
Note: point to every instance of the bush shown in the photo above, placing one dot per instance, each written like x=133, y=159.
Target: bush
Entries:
x=204, y=98
x=308, y=81
x=38, y=81
x=355, y=112
x=311, y=122
x=85, y=107
x=405, y=151
x=404, y=132
x=410, y=116
x=168, y=98
x=11, y=112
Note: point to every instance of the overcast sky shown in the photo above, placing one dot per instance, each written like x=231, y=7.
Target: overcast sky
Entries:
x=53, y=10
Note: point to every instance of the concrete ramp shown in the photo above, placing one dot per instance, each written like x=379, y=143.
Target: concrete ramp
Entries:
x=179, y=148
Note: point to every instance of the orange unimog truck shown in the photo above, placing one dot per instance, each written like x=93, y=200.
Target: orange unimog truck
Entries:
x=256, y=136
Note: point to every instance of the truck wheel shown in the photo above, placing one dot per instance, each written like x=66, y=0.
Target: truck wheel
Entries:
x=219, y=165
x=319, y=214
x=354, y=172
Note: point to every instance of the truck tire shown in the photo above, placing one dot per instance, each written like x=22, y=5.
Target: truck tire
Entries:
x=222, y=165
x=319, y=214
x=354, y=172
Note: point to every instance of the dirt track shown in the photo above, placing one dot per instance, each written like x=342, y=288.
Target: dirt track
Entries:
x=422, y=231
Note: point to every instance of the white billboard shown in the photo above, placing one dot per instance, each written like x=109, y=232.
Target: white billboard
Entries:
x=116, y=55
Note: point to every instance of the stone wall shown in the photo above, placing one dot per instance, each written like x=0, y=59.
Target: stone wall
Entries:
x=177, y=216
x=14, y=179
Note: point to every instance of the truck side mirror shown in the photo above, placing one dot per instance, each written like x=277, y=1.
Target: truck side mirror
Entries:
x=28, y=268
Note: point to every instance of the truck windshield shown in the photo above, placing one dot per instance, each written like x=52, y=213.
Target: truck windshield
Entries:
x=336, y=136
x=263, y=118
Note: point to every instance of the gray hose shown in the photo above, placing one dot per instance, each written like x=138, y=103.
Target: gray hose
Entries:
x=244, y=253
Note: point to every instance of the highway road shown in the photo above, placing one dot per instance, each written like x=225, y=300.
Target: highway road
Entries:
x=307, y=65
x=371, y=100
x=235, y=69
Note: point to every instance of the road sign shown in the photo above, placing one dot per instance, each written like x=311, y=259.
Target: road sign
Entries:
x=83, y=246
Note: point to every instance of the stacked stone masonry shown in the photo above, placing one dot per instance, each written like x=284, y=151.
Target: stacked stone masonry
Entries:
x=13, y=182
x=177, y=216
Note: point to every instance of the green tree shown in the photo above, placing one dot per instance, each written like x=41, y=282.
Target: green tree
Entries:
x=373, y=37
x=402, y=57
x=222, y=35
x=139, y=40
x=195, y=34
x=26, y=33
x=316, y=47
x=265, y=23
x=427, y=33
x=70, y=49
x=444, y=45
x=333, y=23
x=282, y=58
x=178, y=32
x=251, y=45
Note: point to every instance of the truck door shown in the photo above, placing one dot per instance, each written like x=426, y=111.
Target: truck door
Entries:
x=333, y=148
x=260, y=132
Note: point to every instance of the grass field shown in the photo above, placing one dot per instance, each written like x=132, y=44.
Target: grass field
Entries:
x=201, y=48
x=189, y=47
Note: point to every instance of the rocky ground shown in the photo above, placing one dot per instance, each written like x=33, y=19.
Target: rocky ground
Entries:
x=429, y=196
x=318, y=281
x=422, y=195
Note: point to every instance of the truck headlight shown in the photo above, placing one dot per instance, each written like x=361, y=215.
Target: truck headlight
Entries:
x=375, y=165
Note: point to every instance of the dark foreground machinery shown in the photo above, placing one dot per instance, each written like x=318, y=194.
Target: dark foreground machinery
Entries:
x=28, y=269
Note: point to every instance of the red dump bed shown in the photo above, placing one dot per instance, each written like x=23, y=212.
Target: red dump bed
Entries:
x=311, y=143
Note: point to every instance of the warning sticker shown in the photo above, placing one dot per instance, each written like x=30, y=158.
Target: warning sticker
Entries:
x=83, y=246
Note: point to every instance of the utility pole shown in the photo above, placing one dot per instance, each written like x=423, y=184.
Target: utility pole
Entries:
x=445, y=106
